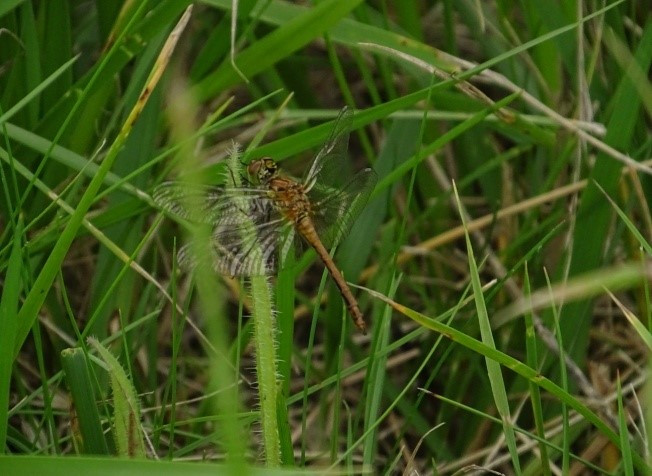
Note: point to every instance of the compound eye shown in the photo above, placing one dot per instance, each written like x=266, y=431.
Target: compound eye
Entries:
x=254, y=167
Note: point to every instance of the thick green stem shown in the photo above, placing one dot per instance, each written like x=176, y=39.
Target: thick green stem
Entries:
x=265, y=342
x=264, y=338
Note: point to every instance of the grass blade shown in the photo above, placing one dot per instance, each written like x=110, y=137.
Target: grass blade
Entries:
x=9, y=326
x=280, y=43
x=78, y=376
x=493, y=368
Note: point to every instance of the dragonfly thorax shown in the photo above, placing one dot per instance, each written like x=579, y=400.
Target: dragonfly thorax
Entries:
x=289, y=197
x=263, y=170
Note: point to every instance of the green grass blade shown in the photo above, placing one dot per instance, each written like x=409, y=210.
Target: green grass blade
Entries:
x=9, y=326
x=628, y=223
x=9, y=5
x=56, y=466
x=78, y=376
x=625, y=447
x=33, y=75
x=535, y=393
x=563, y=376
x=639, y=327
x=55, y=20
x=285, y=293
x=376, y=380
x=286, y=39
x=60, y=154
x=34, y=94
x=493, y=368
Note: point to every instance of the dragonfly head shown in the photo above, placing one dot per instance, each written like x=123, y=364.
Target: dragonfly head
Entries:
x=263, y=170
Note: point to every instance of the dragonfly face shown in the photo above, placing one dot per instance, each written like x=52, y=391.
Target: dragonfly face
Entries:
x=255, y=225
x=263, y=170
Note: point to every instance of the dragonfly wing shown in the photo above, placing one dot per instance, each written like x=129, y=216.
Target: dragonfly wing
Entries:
x=287, y=243
x=335, y=210
x=331, y=161
x=202, y=203
x=248, y=254
x=190, y=202
x=247, y=229
x=254, y=251
x=238, y=251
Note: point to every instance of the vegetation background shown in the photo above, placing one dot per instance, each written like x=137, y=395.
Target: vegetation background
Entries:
x=509, y=315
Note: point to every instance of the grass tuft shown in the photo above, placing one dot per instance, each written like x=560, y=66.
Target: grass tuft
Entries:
x=509, y=319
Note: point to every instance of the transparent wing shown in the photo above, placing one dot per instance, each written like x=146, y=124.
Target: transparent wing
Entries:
x=331, y=163
x=248, y=253
x=335, y=210
x=202, y=203
x=248, y=237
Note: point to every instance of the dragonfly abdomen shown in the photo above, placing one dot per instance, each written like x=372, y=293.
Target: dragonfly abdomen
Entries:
x=306, y=229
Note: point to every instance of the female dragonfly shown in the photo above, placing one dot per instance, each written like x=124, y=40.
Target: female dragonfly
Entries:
x=255, y=221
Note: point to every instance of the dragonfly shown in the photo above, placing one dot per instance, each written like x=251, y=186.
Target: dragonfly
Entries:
x=256, y=219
